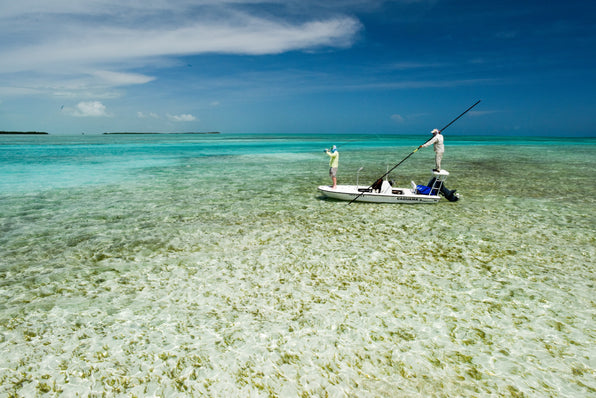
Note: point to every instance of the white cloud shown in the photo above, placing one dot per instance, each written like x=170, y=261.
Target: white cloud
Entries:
x=119, y=78
x=142, y=115
x=88, y=109
x=104, y=32
x=92, y=49
x=397, y=118
x=253, y=36
x=182, y=118
x=18, y=91
x=417, y=65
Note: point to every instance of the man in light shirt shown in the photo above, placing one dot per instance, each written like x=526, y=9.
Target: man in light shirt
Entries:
x=333, y=164
x=437, y=140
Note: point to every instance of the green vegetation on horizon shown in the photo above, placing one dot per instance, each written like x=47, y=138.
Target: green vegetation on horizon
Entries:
x=127, y=132
x=23, y=132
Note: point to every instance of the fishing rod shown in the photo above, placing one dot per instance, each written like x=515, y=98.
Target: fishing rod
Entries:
x=411, y=153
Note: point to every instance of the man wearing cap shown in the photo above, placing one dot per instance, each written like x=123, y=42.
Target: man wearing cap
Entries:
x=437, y=140
x=333, y=164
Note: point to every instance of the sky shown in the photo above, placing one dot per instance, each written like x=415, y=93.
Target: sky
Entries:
x=298, y=66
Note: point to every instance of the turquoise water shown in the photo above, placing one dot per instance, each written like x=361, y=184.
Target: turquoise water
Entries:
x=191, y=265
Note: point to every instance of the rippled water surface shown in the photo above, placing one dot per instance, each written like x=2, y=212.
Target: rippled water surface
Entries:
x=210, y=266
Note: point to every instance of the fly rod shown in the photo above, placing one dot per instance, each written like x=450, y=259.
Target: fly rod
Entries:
x=411, y=153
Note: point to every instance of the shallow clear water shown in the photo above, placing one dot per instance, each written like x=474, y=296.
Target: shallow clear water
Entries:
x=210, y=266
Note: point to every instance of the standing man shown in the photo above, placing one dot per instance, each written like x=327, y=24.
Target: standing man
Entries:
x=333, y=164
x=439, y=148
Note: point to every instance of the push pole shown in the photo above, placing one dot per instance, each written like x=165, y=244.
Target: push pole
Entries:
x=414, y=151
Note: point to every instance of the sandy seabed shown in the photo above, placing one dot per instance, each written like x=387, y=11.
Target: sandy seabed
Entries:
x=192, y=281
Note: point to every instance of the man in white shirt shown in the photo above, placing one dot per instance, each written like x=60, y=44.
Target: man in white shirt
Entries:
x=437, y=140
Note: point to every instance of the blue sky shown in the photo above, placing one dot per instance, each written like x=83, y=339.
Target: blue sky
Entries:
x=298, y=66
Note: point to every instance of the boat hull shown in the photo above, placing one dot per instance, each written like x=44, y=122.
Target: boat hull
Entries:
x=397, y=195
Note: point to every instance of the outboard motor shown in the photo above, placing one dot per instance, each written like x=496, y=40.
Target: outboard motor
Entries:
x=450, y=195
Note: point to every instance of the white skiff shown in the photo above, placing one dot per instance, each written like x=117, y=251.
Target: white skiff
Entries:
x=384, y=192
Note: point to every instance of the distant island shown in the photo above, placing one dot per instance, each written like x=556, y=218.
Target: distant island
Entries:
x=24, y=132
x=132, y=132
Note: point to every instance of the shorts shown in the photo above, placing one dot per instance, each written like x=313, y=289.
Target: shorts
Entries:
x=333, y=172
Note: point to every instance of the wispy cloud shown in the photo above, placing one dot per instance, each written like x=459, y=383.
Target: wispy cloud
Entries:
x=120, y=78
x=143, y=115
x=112, y=45
x=107, y=32
x=416, y=65
x=88, y=109
x=88, y=49
x=185, y=117
x=483, y=113
x=397, y=118
x=409, y=84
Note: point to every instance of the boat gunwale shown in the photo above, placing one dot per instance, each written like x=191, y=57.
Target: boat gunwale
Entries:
x=396, y=198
